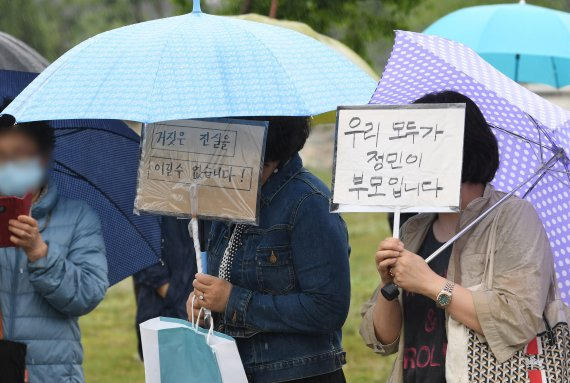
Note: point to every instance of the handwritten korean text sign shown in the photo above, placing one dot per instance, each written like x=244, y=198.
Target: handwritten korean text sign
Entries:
x=406, y=156
x=223, y=157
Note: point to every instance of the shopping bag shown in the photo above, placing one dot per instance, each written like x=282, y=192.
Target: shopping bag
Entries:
x=178, y=351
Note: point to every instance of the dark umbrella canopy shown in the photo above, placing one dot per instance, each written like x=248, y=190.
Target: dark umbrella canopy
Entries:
x=97, y=161
x=16, y=55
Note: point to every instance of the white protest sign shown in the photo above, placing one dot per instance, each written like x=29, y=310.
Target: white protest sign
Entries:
x=223, y=157
x=404, y=158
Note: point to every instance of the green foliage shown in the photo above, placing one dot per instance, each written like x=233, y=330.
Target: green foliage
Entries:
x=54, y=26
x=354, y=22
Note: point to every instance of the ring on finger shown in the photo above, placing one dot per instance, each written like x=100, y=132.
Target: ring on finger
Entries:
x=390, y=272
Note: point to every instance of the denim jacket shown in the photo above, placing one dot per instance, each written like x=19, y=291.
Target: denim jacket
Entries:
x=291, y=282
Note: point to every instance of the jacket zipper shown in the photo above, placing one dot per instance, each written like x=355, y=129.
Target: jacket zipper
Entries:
x=13, y=292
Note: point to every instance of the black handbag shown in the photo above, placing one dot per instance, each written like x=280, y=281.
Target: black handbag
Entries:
x=12, y=362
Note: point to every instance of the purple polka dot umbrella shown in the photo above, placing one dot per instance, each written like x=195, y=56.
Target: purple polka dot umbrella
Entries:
x=533, y=134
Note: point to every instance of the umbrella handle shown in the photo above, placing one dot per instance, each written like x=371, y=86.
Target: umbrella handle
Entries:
x=391, y=290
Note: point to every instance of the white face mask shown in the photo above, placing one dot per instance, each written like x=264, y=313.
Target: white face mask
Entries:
x=18, y=178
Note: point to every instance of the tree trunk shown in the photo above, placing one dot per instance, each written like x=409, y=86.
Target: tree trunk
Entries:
x=273, y=9
x=246, y=6
x=137, y=11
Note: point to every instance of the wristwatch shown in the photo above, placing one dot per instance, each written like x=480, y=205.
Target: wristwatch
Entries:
x=444, y=297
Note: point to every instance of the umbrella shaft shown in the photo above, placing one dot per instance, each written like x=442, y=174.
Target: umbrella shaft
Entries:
x=539, y=172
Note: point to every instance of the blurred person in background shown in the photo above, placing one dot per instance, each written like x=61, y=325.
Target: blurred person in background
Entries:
x=56, y=270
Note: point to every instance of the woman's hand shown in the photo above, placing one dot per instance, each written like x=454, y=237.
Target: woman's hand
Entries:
x=26, y=234
x=196, y=310
x=413, y=274
x=388, y=252
x=211, y=292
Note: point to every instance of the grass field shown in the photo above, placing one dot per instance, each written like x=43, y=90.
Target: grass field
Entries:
x=109, y=337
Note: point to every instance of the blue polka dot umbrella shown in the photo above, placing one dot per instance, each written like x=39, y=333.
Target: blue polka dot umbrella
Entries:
x=193, y=66
x=533, y=134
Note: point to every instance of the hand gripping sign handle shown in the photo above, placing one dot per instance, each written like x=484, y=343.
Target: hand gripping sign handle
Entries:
x=194, y=229
x=391, y=291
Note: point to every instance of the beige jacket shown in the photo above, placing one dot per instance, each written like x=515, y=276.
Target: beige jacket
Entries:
x=511, y=313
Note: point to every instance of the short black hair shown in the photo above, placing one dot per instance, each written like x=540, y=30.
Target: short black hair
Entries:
x=286, y=136
x=39, y=131
x=480, y=148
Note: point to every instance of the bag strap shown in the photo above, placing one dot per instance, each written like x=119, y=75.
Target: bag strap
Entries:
x=489, y=270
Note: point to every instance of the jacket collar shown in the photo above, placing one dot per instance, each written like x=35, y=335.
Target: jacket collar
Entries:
x=46, y=202
x=477, y=206
x=278, y=180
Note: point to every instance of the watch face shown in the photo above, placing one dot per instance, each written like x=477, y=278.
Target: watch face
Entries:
x=443, y=299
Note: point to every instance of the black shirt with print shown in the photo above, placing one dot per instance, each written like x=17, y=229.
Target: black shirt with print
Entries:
x=425, y=339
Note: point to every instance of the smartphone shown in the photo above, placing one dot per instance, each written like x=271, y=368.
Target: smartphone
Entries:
x=12, y=208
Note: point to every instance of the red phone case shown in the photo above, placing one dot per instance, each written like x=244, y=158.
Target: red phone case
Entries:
x=12, y=208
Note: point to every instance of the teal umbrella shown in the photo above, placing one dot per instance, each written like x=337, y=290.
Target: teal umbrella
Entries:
x=526, y=42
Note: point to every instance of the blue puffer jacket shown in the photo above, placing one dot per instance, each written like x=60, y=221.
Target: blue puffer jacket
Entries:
x=41, y=301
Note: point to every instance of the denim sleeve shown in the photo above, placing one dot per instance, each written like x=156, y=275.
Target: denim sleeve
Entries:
x=320, y=256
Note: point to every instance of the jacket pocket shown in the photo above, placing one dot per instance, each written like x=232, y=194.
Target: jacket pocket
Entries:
x=274, y=269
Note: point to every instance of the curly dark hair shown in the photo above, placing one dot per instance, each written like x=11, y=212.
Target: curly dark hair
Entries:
x=285, y=137
x=480, y=148
x=39, y=131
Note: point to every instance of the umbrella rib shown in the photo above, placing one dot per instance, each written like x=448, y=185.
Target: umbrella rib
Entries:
x=521, y=137
x=565, y=164
x=540, y=146
x=564, y=172
x=83, y=178
x=541, y=129
x=531, y=188
x=555, y=72
x=559, y=180
x=560, y=171
x=79, y=129
x=48, y=73
x=175, y=29
x=282, y=68
x=540, y=155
